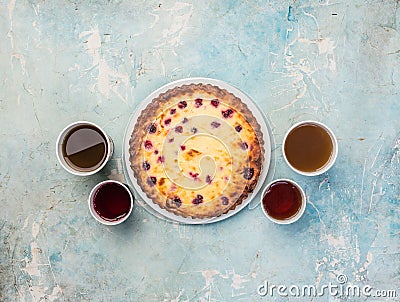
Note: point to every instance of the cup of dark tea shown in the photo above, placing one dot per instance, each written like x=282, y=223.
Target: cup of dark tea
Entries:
x=83, y=148
x=283, y=201
x=310, y=148
x=110, y=202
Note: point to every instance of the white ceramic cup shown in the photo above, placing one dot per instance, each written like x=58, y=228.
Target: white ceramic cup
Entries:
x=60, y=141
x=92, y=197
x=332, y=158
x=297, y=215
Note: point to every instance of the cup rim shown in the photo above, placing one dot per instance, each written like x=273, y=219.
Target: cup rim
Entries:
x=93, y=212
x=59, y=142
x=334, y=154
x=295, y=217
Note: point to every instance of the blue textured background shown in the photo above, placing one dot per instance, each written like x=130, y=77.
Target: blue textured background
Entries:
x=61, y=61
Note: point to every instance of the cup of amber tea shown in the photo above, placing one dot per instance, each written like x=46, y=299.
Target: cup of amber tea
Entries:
x=83, y=148
x=310, y=148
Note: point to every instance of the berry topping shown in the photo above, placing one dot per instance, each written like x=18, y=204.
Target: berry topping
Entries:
x=215, y=103
x=148, y=145
x=182, y=104
x=177, y=201
x=178, y=129
x=172, y=111
x=185, y=120
x=194, y=175
x=198, y=103
x=171, y=140
x=225, y=200
x=156, y=152
x=248, y=173
x=244, y=146
x=238, y=128
x=198, y=199
x=152, y=128
x=161, y=159
x=193, y=130
x=151, y=181
x=208, y=179
x=215, y=124
x=227, y=113
x=146, y=166
x=167, y=121
x=183, y=148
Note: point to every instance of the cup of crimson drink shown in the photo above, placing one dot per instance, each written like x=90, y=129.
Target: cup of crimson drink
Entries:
x=110, y=202
x=283, y=201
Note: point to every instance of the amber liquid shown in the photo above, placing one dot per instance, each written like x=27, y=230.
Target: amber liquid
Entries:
x=112, y=201
x=308, y=147
x=84, y=148
x=282, y=200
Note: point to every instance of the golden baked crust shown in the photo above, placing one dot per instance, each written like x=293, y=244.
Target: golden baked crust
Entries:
x=197, y=151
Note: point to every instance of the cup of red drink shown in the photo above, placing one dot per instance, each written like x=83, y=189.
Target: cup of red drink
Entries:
x=283, y=201
x=110, y=202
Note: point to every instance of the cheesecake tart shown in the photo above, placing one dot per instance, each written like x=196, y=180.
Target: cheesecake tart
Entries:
x=196, y=151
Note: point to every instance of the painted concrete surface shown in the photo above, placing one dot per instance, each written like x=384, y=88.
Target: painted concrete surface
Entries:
x=334, y=61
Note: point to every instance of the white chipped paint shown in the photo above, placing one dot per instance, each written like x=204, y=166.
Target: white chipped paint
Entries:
x=73, y=68
x=21, y=60
x=209, y=276
x=179, y=23
x=178, y=298
x=319, y=278
x=325, y=180
x=10, y=34
x=35, y=229
x=38, y=293
x=108, y=79
x=32, y=266
x=367, y=262
x=172, y=35
x=11, y=7
x=26, y=222
x=357, y=251
x=238, y=280
x=335, y=241
x=156, y=19
x=93, y=43
x=304, y=67
x=326, y=46
x=55, y=294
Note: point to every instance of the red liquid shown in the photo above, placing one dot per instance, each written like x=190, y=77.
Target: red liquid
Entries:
x=112, y=201
x=282, y=200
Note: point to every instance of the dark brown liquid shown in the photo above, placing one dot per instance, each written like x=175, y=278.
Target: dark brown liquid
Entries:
x=282, y=200
x=308, y=147
x=84, y=148
x=112, y=201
